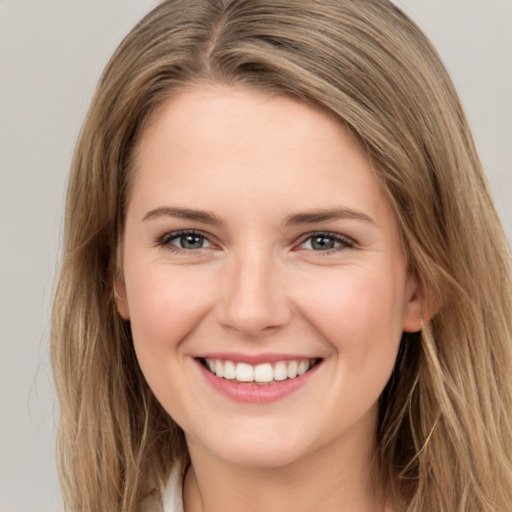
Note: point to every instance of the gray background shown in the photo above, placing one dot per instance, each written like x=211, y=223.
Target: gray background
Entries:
x=51, y=55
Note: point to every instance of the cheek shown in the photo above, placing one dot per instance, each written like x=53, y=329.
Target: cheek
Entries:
x=165, y=306
x=355, y=310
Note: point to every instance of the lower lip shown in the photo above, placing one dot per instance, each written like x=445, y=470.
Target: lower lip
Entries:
x=256, y=393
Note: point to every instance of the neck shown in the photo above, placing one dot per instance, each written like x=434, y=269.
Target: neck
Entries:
x=338, y=477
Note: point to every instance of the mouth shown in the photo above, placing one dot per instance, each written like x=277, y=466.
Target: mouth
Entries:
x=261, y=374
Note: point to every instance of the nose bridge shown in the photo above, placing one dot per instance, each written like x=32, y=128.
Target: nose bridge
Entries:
x=254, y=302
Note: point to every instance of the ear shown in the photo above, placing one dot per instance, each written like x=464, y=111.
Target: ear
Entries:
x=418, y=310
x=121, y=298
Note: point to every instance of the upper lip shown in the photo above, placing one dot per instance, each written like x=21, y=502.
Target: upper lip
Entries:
x=254, y=359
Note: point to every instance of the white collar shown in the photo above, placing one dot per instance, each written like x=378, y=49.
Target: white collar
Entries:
x=172, y=495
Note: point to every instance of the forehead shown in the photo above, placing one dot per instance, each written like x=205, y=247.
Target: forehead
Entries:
x=213, y=144
x=213, y=110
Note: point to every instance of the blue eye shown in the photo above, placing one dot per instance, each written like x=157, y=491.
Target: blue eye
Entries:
x=325, y=242
x=185, y=240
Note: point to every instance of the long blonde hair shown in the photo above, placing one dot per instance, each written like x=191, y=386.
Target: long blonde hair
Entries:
x=444, y=439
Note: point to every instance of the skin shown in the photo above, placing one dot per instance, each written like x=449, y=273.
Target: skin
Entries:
x=256, y=285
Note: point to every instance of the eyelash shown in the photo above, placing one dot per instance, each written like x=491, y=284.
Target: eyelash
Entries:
x=167, y=238
x=344, y=242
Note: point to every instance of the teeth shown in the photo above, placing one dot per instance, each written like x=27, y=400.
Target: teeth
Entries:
x=261, y=373
x=280, y=371
x=219, y=368
x=291, y=371
x=244, y=372
x=229, y=370
x=302, y=368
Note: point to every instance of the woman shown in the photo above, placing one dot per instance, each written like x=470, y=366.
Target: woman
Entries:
x=284, y=284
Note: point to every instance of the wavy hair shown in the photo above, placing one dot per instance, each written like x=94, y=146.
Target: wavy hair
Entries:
x=444, y=438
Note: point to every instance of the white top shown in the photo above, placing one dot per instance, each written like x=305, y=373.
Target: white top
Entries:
x=172, y=496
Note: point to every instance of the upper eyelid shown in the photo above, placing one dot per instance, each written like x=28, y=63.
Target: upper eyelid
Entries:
x=172, y=235
x=337, y=236
x=180, y=232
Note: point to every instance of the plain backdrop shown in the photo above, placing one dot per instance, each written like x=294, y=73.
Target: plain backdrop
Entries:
x=51, y=55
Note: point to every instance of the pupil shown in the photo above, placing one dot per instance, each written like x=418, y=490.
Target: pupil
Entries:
x=191, y=241
x=322, y=243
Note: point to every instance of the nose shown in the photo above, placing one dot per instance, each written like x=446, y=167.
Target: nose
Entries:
x=254, y=302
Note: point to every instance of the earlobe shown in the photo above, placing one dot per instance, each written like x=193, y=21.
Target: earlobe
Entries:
x=121, y=299
x=413, y=319
x=417, y=310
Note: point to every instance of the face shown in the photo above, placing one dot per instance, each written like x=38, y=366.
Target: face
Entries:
x=263, y=276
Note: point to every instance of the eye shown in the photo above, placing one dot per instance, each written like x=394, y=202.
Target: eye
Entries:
x=185, y=240
x=325, y=242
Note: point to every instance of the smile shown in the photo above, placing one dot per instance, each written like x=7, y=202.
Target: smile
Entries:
x=265, y=373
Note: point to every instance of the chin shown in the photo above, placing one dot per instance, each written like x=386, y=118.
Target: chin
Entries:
x=264, y=450
x=260, y=458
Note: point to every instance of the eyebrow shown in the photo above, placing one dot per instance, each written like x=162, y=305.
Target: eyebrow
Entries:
x=203, y=216
x=294, y=219
x=325, y=215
